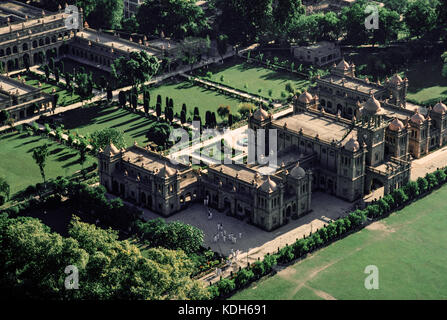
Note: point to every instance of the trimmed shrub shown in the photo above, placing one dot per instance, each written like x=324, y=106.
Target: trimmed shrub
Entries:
x=422, y=184
x=258, y=269
x=373, y=211
x=412, y=189
x=440, y=176
x=243, y=277
x=269, y=262
x=432, y=180
x=384, y=206
x=225, y=286
x=286, y=254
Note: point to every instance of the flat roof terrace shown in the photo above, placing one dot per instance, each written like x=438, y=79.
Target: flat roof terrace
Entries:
x=15, y=87
x=112, y=41
x=20, y=8
x=352, y=83
x=327, y=128
x=20, y=26
x=152, y=162
x=243, y=173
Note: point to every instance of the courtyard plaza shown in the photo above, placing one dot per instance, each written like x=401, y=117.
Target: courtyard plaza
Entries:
x=254, y=243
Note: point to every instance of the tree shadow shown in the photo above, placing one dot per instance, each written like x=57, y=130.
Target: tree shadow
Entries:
x=124, y=122
x=65, y=157
x=72, y=163
x=57, y=150
x=27, y=142
x=138, y=126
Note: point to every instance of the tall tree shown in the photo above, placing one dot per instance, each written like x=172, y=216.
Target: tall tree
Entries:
x=82, y=152
x=222, y=44
x=389, y=27
x=420, y=17
x=40, y=155
x=244, y=20
x=4, y=187
x=353, y=23
x=285, y=13
x=137, y=69
x=106, y=14
x=175, y=18
x=102, y=138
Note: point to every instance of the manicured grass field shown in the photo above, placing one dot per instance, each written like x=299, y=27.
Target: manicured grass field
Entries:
x=19, y=168
x=193, y=96
x=85, y=121
x=254, y=78
x=409, y=248
x=426, y=81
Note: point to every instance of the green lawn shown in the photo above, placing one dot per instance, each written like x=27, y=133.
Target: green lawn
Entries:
x=425, y=81
x=409, y=248
x=193, y=96
x=18, y=166
x=251, y=78
x=85, y=121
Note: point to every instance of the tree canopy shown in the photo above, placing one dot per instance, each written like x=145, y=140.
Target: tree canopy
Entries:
x=102, y=138
x=175, y=18
x=137, y=69
x=33, y=261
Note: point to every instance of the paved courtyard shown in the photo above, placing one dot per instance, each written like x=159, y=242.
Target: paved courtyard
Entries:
x=255, y=241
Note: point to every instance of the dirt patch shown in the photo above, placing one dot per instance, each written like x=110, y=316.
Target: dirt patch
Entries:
x=321, y=294
x=379, y=226
x=287, y=272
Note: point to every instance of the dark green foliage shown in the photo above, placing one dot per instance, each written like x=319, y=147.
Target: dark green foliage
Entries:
x=34, y=259
x=122, y=99
x=159, y=133
x=243, y=277
x=174, y=235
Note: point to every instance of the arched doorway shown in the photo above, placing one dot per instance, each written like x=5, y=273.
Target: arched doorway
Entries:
x=339, y=109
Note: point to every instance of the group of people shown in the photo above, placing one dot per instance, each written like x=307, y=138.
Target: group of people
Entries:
x=222, y=234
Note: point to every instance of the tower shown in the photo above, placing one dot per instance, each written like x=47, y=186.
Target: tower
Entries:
x=371, y=131
x=396, y=144
x=398, y=89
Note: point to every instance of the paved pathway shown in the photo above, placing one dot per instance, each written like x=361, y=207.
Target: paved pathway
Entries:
x=229, y=90
x=231, y=136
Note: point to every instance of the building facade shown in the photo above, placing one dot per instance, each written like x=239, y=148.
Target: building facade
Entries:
x=319, y=54
x=21, y=100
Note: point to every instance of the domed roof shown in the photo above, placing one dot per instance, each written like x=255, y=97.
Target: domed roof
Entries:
x=440, y=108
x=343, y=65
x=372, y=105
x=111, y=149
x=417, y=117
x=396, y=79
x=261, y=114
x=166, y=171
x=305, y=97
x=268, y=185
x=396, y=125
x=352, y=145
x=297, y=172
